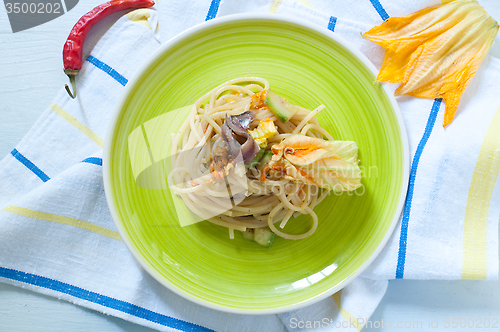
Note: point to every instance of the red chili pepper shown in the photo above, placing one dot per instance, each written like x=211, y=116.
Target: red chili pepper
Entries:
x=73, y=48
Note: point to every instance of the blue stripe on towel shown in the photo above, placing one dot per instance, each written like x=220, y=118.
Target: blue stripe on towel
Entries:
x=100, y=299
x=332, y=23
x=32, y=167
x=400, y=270
x=107, y=69
x=212, y=11
x=380, y=10
x=93, y=160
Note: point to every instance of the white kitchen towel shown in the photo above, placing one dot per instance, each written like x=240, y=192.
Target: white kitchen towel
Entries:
x=57, y=236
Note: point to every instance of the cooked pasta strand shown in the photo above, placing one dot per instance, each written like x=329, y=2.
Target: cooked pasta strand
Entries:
x=252, y=203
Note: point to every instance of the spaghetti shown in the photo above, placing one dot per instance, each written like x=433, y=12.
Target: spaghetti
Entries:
x=261, y=192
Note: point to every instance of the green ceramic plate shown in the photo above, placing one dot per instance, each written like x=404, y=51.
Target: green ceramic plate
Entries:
x=309, y=66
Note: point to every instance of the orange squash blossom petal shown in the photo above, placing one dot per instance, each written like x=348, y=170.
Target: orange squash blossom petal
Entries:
x=435, y=52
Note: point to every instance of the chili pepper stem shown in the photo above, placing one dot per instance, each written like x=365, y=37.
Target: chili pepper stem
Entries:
x=73, y=84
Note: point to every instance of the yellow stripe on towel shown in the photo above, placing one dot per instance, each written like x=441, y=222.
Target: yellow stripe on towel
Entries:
x=274, y=6
x=277, y=3
x=478, y=203
x=353, y=321
x=63, y=220
x=306, y=3
x=77, y=124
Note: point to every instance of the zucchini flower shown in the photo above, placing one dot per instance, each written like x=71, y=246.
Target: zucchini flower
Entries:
x=331, y=165
x=435, y=52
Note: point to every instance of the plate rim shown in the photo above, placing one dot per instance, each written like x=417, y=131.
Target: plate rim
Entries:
x=111, y=128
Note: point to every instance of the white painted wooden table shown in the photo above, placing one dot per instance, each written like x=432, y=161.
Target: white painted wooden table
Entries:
x=30, y=77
